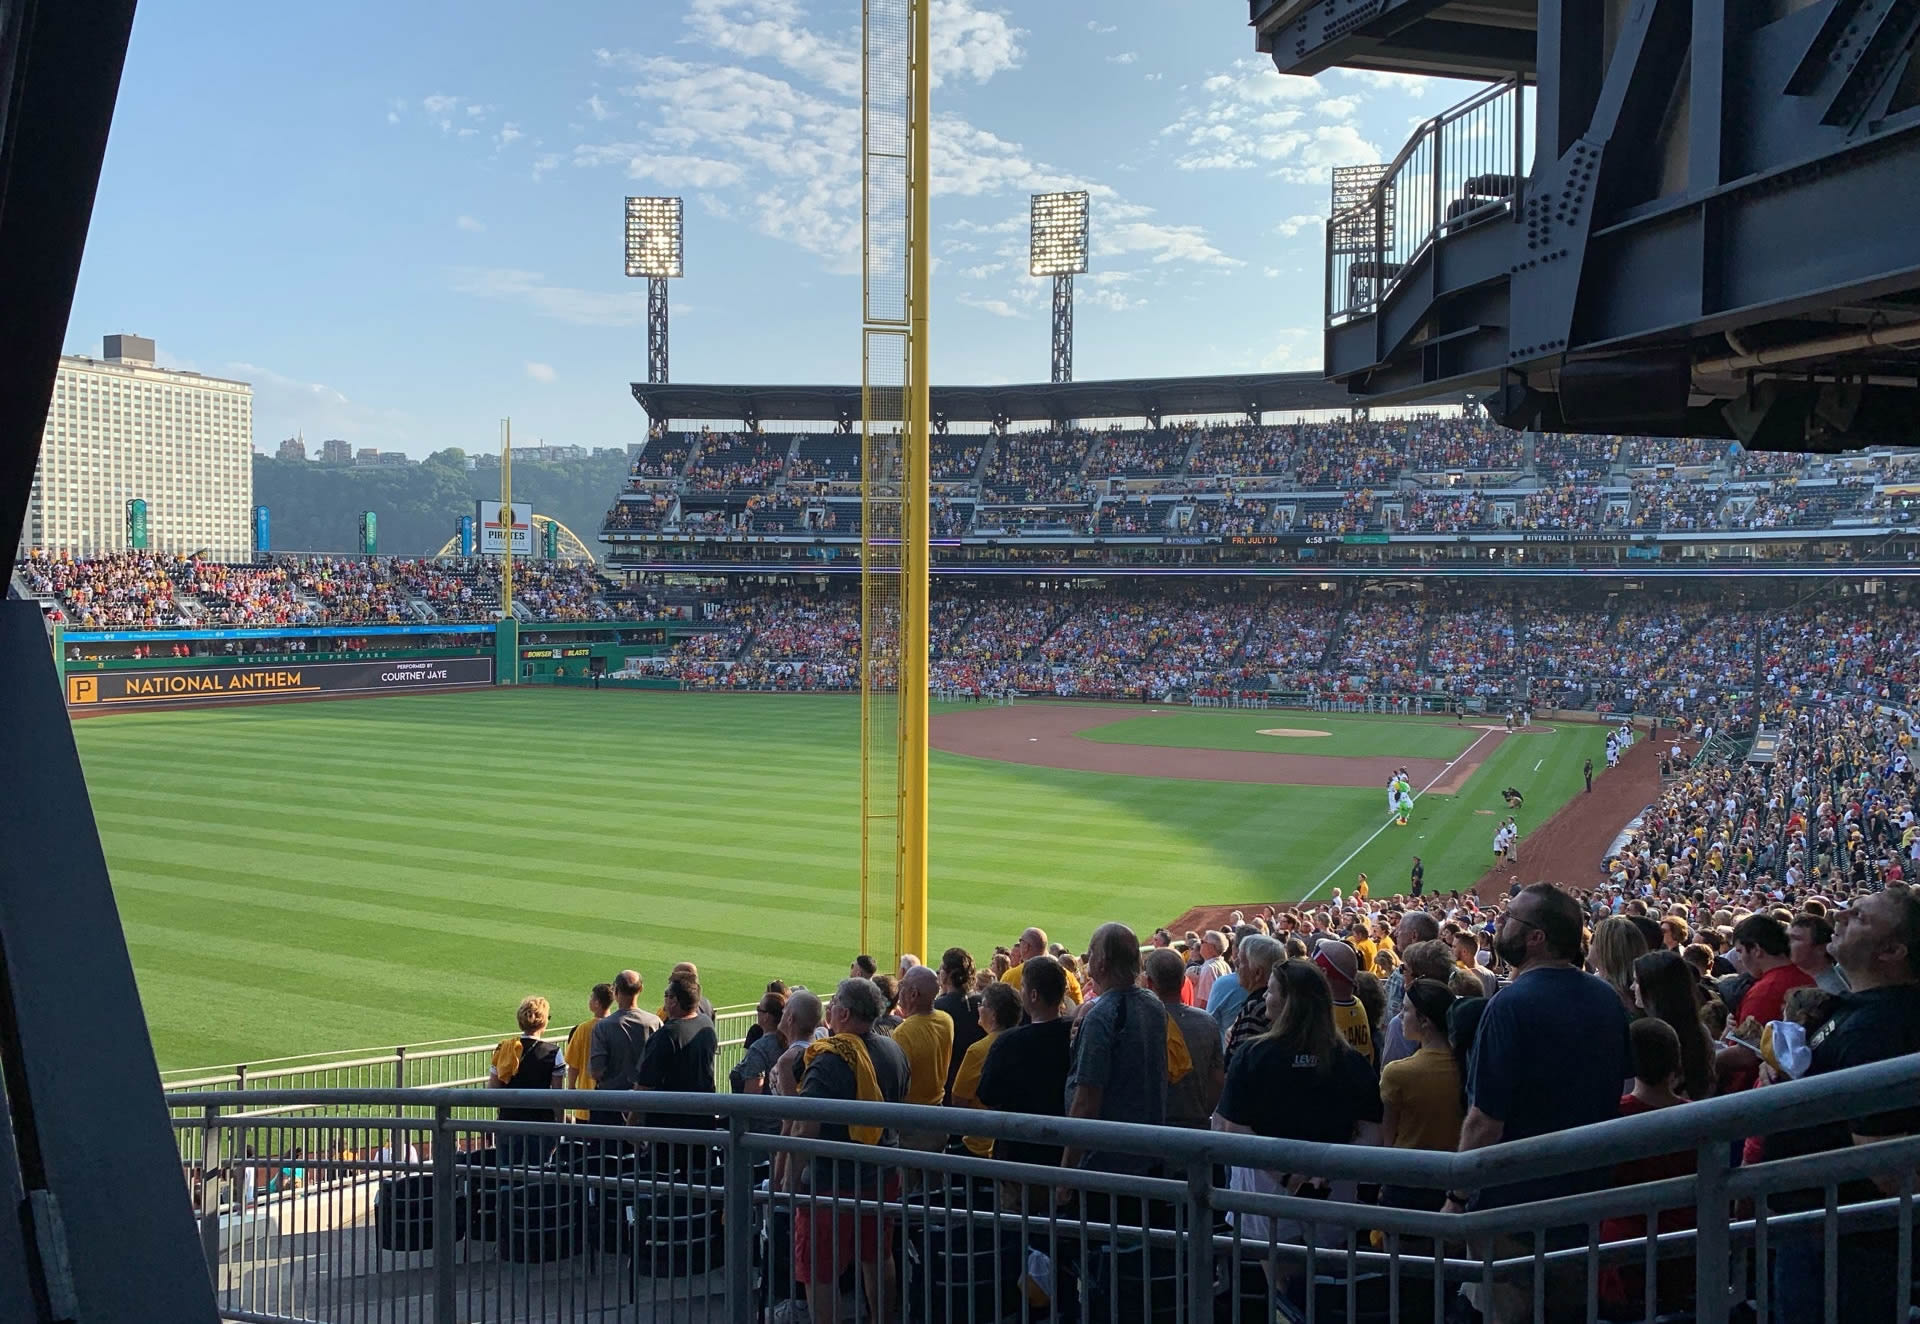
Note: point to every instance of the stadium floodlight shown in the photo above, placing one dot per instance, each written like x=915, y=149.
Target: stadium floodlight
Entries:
x=1058, y=248
x=656, y=250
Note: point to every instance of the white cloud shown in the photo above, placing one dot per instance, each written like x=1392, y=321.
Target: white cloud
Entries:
x=471, y=224
x=476, y=111
x=439, y=108
x=1154, y=78
x=998, y=307
x=1270, y=272
x=509, y=134
x=541, y=372
x=284, y=406
x=1329, y=145
x=668, y=170
x=1413, y=85
x=1094, y=25
x=982, y=271
x=598, y=108
x=1124, y=57
x=1250, y=116
x=1164, y=243
x=1294, y=225
x=560, y=303
x=1298, y=350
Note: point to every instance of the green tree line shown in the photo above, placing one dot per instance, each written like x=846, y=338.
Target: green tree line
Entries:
x=316, y=507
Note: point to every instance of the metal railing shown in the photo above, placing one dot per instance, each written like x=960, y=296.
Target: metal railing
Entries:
x=1464, y=166
x=708, y=1211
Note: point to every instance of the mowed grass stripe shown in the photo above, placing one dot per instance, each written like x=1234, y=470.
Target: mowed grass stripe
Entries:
x=310, y=876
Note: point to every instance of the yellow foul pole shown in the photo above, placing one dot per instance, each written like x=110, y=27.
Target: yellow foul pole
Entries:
x=914, y=508
x=506, y=518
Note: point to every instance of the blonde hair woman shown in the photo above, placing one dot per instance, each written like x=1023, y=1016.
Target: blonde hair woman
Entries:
x=527, y=1062
x=1617, y=944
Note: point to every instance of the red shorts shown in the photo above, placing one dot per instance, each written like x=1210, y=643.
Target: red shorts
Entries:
x=827, y=1231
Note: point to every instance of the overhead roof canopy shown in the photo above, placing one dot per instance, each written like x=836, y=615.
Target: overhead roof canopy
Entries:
x=1286, y=392
x=1480, y=39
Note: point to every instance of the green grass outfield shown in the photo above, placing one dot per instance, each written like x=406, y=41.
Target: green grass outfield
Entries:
x=310, y=876
x=1349, y=735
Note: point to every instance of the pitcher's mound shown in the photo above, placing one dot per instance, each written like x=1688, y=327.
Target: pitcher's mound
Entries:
x=1292, y=731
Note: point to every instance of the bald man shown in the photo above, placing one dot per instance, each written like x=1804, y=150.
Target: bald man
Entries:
x=925, y=1035
x=1033, y=943
x=690, y=971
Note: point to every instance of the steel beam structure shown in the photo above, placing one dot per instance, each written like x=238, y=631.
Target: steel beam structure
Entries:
x=1703, y=227
x=656, y=330
x=1062, y=329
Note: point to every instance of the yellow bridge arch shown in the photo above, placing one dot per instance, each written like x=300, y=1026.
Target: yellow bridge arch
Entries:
x=567, y=542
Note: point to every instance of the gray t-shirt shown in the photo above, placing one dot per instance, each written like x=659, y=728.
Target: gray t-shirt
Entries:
x=1120, y=1047
x=1190, y=1099
x=619, y=1038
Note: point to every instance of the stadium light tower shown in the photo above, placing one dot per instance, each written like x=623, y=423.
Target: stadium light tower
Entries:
x=1059, y=250
x=656, y=249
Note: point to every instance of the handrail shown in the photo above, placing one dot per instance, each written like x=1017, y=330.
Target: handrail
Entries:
x=1855, y=1092
x=1439, y=181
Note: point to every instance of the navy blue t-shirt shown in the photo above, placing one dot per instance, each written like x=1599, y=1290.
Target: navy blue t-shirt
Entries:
x=1550, y=1055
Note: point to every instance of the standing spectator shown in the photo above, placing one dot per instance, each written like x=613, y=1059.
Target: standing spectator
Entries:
x=1617, y=944
x=751, y=1074
x=1525, y=1080
x=1426, y=959
x=1807, y=939
x=1191, y=1099
x=1420, y=1096
x=527, y=1062
x=1664, y=985
x=961, y=1004
x=1341, y=965
x=853, y=1063
x=999, y=1012
x=1877, y=943
x=1033, y=943
x=618, y=1040
x=579, y=1047
x=925, y=1035
x=1301, y=1080
x=1026, y=1070
x=1415, y=926
x=1761, y=941
x=1257, y=956
x=1213, y=964
x=1119, y=1064
x=1657, y=1080
x=679, y=1057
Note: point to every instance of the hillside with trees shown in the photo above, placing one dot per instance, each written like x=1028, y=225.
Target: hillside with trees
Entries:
x=316, y=507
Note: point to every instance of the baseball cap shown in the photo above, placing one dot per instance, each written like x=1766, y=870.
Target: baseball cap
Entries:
x=1336, y=959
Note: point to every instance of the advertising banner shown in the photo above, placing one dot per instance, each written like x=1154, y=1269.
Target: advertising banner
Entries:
x=464, y=534
x=137, y=538
x=185, y=686
x=494, y=532
x=262, y=529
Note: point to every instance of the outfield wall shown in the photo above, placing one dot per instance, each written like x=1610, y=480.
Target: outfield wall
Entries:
x=103, y=671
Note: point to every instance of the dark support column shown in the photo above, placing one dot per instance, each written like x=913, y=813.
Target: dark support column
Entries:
x=96, y=1143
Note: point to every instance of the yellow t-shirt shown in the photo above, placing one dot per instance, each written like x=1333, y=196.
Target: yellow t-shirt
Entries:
x=1367, y=948
x=577, y=1054
x=1073, y=984
x=966, y=1088
x=1360, y=890
x=1350, y=1018
x=1424, y=1092
x=928, y=1043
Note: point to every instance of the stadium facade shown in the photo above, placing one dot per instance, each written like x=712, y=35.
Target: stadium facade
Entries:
x=121, y=429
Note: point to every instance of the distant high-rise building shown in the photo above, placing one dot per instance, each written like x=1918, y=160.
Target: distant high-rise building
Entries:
x=335, y=451
x=119, y=428
x=365, y=456
x=293, y=448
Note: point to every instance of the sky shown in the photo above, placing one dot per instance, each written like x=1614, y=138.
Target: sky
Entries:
x=403, y=223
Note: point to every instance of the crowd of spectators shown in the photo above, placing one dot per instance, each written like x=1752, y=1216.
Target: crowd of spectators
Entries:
x=126, y=590
x=1038, y=467
x=1414, y=1021
x=245, y=596
x=728, y=460
x=1471, y=652
x=1462, y=475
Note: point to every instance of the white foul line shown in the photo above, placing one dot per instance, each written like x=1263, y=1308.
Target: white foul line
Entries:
x=1536, y=767
x=1384, y=826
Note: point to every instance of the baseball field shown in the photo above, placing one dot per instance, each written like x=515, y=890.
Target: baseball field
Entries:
x=309, y=876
